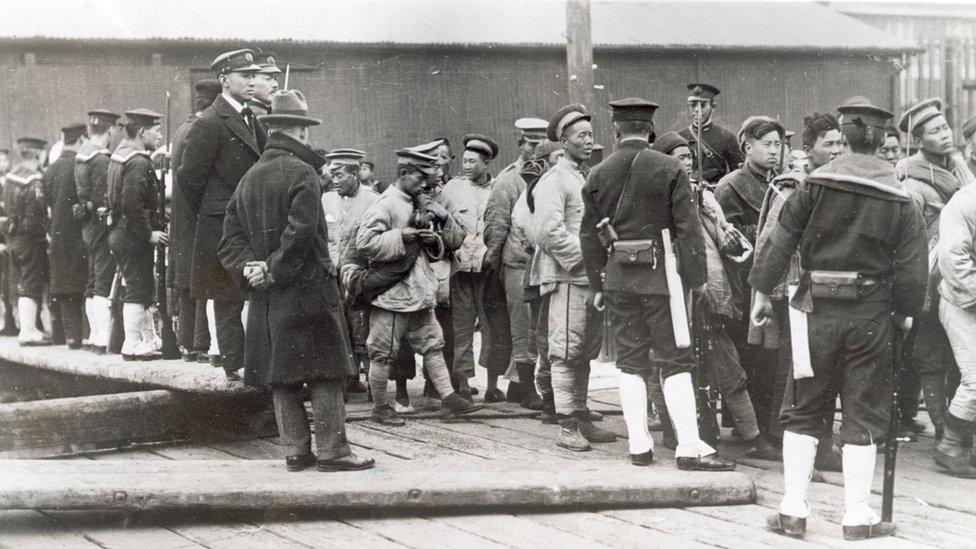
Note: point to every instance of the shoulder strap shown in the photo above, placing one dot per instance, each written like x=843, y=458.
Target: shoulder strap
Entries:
x=624, y=189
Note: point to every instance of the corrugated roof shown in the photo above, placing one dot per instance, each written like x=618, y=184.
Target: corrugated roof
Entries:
x=615, y=23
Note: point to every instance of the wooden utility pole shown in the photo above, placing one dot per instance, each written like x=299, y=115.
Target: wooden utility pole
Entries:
x=579, y=52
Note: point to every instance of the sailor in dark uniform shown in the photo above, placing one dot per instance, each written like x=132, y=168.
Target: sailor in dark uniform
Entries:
x=720, y=153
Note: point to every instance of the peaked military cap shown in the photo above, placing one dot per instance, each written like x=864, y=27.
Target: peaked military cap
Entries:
x=669, y=142
x=101, y=116
x=702, y=92
x=633, y=108
x=532, y=130
x=266, y=60
x=142, y=117
x=919, y=114
x=31, y=143
x=480, y=143
x=861, y=108
x=342, y=157
x=545, y=148
x=969, y=127
x=234, y=61
x=73, y=131
x=564, y=118
x=429, y=148
x=423, y=162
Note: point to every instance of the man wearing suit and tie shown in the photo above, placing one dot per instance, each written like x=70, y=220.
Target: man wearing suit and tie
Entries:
x=220, y=147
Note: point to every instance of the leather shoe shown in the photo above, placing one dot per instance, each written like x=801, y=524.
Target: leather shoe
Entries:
x=642, y=460
x=350, y=462
x=787, y=525
x=188, y=355
x=494, y=395
x=297, y=463
x=866, y=531
x=711, y=462
x=355, y=386
x=591, y=432
x=453, y=406
x=231, y=376
x=215, y=360
x=385, y=415
x=594, y=415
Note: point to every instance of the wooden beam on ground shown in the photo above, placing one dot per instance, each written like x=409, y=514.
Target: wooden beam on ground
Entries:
x=162, y=374
x=262, y=484
x=56, y=427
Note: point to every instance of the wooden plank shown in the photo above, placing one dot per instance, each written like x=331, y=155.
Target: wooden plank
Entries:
x=395, y=446
x=515, y=531
x=232, y=534
x=319, y=532
x=115, y=529
x=420, y=532
x=262, y=484
x=33, y=529
x=166, y=374
x=49, y=427
x=542, y=447
x=609, y=531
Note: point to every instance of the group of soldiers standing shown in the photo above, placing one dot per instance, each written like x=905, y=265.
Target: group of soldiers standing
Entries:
x=696, y=258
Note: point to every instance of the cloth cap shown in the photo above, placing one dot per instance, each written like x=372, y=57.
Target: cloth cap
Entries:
x=545, y=148
x=919, y=114
x=289, y=107
x=266, y=60
x=31, y=143
x=342, y=157
x=142, y=117
x=859, y=107
x=564, y=118
x=423, y=162
x=73, y=131
x=532, y=130
x=633, y=108
x=969, y=127
x=480, y=143
x=100, y=116
x=702, y=92
x=234, y=61
x=669, y=142
x=428, y=148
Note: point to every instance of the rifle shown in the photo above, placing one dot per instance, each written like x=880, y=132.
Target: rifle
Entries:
x=170, y=349
x=703, y=347
x=899, y=343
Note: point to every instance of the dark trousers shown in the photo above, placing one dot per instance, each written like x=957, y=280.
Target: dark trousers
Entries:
x=641, y=325
x=71, y=307
x=135, y=260
x=194, y=332
x=330, y=418
x=230, y=333
x=101, y=264
x=850, y=353
x=760, y=365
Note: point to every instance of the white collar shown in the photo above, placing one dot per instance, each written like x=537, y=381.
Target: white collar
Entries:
x=233, y=102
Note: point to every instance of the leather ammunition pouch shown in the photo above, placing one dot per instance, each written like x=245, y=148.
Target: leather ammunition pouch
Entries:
x=635, y=252
x=840, y=285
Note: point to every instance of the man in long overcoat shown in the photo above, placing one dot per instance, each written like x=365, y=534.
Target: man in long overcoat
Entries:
x=221, y=145
x=275, y=245
x=68, y=257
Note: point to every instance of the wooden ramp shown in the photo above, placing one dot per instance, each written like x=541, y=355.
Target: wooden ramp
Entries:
x=260, y=484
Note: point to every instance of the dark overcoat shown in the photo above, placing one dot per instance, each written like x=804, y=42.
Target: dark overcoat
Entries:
x=658, y=196
x=183, y=219
x=219, y=150
x=296, y=330
x=67, y=252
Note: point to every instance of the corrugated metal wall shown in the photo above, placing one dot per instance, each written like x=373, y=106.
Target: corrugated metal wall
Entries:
x=380, y=99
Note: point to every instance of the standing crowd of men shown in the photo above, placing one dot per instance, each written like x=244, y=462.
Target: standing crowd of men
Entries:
x=695, y=258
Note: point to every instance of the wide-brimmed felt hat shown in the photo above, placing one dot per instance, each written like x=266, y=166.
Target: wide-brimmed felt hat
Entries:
x=289, y=107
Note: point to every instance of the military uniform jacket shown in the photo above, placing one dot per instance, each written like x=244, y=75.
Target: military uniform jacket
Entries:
x=91, y=170
x=68, y=255
x=841, y=222
x=296, y=329
x=219, y=150
x=23, y=203
x=720, y=148
x=659, y=196
x=132, y=193
x=183, y=221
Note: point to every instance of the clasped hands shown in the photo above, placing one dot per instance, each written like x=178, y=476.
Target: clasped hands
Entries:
x=257, y=275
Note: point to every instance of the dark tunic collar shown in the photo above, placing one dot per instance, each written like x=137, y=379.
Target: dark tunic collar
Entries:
x=750, y=185
x=281, y=142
